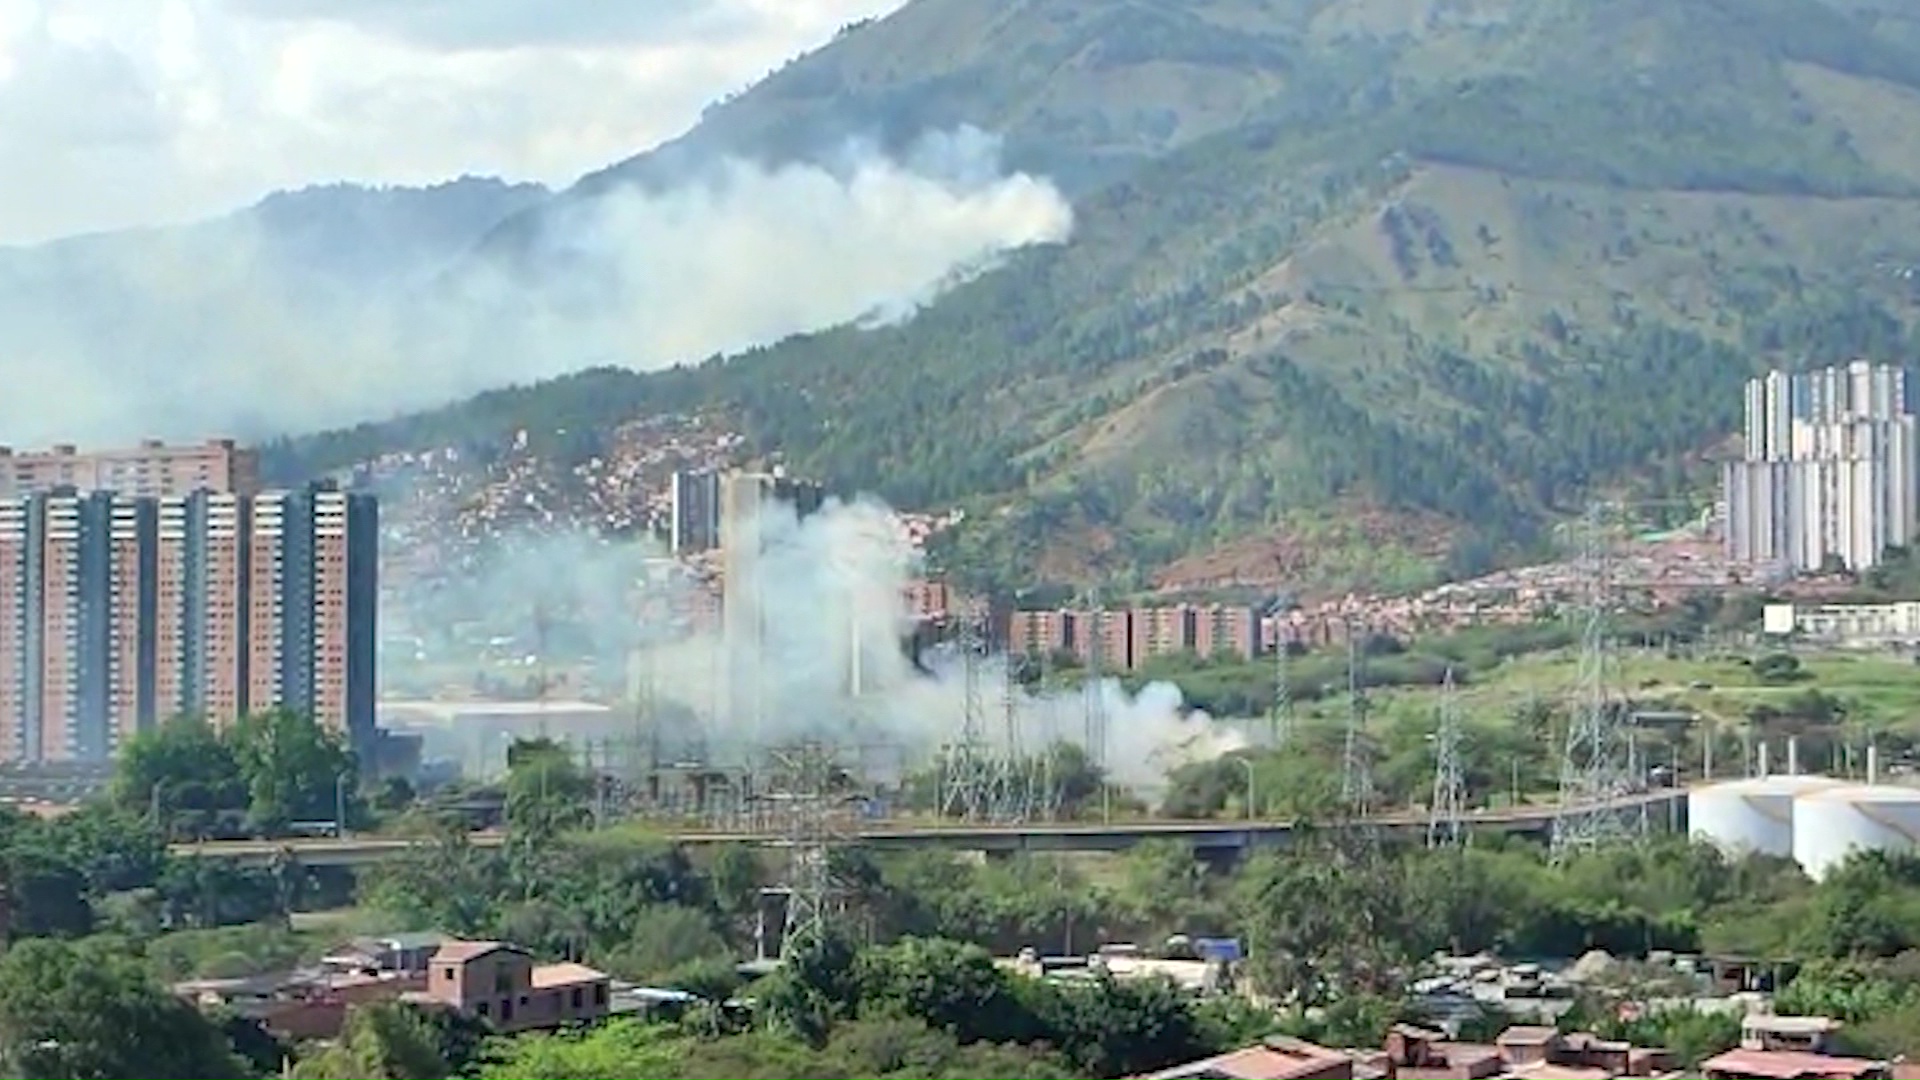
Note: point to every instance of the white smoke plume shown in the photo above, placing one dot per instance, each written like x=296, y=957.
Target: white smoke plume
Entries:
x=213, y=329
x=830, y=591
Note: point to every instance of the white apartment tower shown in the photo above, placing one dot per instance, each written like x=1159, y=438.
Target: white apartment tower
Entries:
x=1830, y=469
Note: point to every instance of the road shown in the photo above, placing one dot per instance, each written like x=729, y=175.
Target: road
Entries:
x=1664, y=809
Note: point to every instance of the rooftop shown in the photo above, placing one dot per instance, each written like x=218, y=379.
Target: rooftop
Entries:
x=1528, y=1036
x=460, y=952
x=1277, y=1059
x=549, y=976
x=1790, y=1065
x=1791, y=1025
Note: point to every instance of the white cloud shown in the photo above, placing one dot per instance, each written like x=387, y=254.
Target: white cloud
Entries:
x=127, y=112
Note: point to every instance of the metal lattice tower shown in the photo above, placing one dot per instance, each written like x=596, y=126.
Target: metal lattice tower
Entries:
x=1280, y=723
x=1013, y=786
x=1445, y=827
x=1594, y=772
x=1356, y=766
x=1045, y=783
x=967, y=779
x=808, y=798
x=1094, y=688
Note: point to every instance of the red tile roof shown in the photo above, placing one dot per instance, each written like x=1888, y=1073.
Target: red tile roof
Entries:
x=460, y=952
x=1278, y=1059
x=1789, y=1065
x=548, y=976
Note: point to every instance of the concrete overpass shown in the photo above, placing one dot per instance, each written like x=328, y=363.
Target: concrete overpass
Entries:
x=1218, y=839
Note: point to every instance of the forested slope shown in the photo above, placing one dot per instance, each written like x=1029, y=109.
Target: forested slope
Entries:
x=1463, y=260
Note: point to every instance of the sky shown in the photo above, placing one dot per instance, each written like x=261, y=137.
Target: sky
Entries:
x=121, y=113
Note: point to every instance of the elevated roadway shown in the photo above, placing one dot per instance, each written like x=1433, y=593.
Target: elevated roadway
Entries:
x=1665, y=809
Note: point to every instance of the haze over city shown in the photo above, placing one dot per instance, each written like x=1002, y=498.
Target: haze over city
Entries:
x=936, y=538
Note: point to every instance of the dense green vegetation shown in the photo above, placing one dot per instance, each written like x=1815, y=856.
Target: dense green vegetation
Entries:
x=1431, y=270
x=905, y=985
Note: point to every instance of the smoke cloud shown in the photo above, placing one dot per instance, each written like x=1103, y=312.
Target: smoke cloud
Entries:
x=217, y=329
x=830, y=590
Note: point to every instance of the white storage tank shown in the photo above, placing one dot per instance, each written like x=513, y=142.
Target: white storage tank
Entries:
x=1751, y=817
x=1830, y=825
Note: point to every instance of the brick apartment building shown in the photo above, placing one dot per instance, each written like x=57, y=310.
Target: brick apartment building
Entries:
x=500, y=983
x=151, y=470
x=1125, y=639
x=118, y=611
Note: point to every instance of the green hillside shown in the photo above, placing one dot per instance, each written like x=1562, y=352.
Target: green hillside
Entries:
x=1460, y=259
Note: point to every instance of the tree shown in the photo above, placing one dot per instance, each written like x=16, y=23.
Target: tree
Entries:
x=547, y=793
x=87, y=1010
x=946, y=985
x=295, y=769
x=384, y=1040
x=181, y=769
x=662, y=939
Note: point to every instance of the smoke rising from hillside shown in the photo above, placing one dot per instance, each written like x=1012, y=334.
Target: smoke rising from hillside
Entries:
x=216, y=329
x=830, y=588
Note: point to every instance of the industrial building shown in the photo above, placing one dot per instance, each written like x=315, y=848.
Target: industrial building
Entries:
x=1852, y=626
x=1818, y=821
x=119, y=611
x=1829, y=470
x=151, y=470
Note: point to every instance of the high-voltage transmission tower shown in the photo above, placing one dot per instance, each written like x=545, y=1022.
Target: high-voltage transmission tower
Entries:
x=1595, y=770
x=1096, y=692
x=1280, y=722
x=1445, y=827
x=808, y=797
x=1046, y=775
x=1018, y=778
x=967, y=765
x=1356, y=764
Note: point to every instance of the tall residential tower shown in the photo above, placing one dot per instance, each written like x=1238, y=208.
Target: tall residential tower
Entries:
x=119, y=611
x=1830, y=468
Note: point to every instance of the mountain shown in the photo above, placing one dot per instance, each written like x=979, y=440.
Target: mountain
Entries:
x=148, y=326
x=1355, y=285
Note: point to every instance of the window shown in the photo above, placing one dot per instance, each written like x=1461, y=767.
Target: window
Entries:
x=502, y=980
x=481, y=1009
x=599, y=993
x=578, y=999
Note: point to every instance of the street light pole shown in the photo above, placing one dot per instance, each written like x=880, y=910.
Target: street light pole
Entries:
x=1247, y=764
x=340, y=806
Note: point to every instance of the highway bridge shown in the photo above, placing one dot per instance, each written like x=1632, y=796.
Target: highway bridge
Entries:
x=1664, y=809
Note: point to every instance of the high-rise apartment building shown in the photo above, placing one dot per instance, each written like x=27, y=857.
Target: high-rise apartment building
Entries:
x=748, y=502
x=152, y=469
x=694, y=523
x=119, y=611
x=1830, y=468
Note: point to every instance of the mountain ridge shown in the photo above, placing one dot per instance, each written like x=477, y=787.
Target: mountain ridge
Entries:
x=1470, y=222
x=1466, y=261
